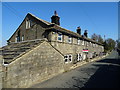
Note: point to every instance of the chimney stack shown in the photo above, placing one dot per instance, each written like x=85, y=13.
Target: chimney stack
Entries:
x=85, y=33
x=55, y=18
x=78, y=30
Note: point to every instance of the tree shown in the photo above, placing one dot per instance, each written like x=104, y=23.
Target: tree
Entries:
x=109, y=44
x=118, y=43
x=105, y=46
x=94, y=37
x=100, y=39
x=97, y=38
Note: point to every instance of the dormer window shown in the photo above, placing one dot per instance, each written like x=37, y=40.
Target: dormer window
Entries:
x=83, y=42
x=90, y=44
x=78, y=41
x=60, y=37
x=87, y=43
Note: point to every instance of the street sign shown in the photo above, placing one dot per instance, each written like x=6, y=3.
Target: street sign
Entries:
x=85, y=50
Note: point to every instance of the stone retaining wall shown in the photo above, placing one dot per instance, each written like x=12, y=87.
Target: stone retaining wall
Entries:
x=39, y=64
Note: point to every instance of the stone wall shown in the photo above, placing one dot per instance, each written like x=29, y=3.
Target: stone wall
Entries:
x=39, y=64
x=74, y=49
x=66, y=48
x=36, y=31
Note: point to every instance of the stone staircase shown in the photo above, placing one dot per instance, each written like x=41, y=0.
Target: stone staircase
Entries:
x=14, y=50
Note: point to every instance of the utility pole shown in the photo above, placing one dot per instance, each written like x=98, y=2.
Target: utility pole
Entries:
x=104, y=38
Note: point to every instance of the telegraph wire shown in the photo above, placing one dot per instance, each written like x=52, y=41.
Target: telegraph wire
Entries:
x=90, y=19
x=14, y=11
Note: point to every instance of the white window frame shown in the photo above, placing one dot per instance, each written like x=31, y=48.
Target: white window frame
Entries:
x=69, y=39
x=78, y=41
x=79, y=57
x=60, y=36
x=22, y=37
x=66, y=57
x=90, y=44
x=87, y=43
x=16, y=39
x=28, y=24
x=83, y=42
x=84, y=56
x=70, y=57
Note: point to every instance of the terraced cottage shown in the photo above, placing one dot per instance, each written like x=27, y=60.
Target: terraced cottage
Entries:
x=39, y=50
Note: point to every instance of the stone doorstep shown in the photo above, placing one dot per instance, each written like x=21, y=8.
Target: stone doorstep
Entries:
x=84, y=62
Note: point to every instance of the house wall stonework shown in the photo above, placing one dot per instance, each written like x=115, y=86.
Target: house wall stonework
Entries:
x=73, y=48
x=36, y=31
x=38, y=64
x=48, y=58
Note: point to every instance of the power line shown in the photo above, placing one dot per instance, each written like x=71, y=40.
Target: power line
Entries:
x=14, y=11
x=90, y=19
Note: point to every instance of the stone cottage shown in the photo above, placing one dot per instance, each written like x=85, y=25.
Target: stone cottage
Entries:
x=39, y=50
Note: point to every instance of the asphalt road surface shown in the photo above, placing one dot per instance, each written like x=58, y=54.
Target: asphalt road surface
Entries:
x=99, y=74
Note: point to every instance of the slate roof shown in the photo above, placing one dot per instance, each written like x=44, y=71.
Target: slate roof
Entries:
x=45, y=22
x=63, y=30
x=53, y=26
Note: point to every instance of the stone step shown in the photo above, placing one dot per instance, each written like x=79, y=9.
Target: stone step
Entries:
x=13, y=50
x=9, y=51
x=10, y=56
x=7, y=61
x=5, y=54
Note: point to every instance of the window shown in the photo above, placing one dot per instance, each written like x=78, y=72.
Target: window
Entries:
x=28, y=24
x=83, y=42
x=95, y=45
x=68, y=58
x=16, y=39
x=22, y=37
x=84, y=57
x=69, y=39
x=90, y=44
x=87, y=43
x=60, y=37
x=78, y=41
x=79, y=57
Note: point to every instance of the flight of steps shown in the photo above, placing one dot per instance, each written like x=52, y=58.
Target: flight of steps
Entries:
x=12, y=51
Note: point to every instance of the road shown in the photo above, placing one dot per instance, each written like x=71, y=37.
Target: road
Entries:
x=98, y=74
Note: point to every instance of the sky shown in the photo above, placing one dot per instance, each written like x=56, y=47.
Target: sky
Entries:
x=96, y=17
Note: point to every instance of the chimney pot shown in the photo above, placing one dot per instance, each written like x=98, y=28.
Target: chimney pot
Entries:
x=85, y=33
x=79, y=30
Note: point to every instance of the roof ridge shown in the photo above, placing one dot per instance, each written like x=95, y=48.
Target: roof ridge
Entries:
x=46, y=22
